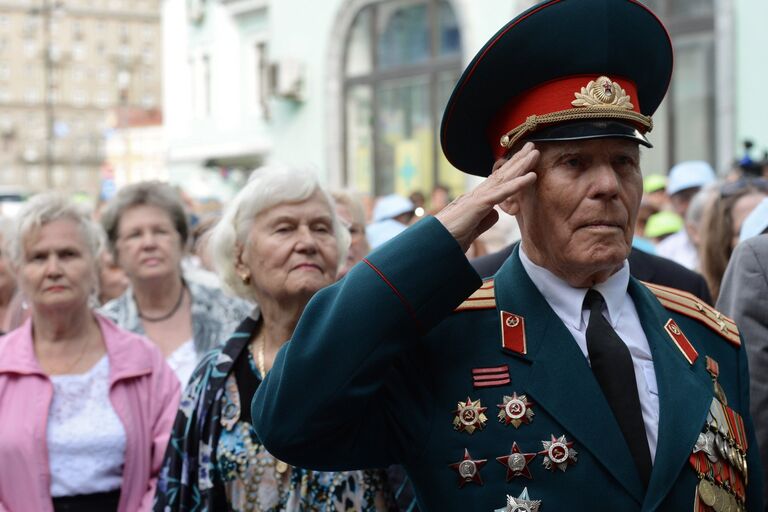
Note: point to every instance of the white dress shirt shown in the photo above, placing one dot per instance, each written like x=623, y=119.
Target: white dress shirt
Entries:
x=567, y=301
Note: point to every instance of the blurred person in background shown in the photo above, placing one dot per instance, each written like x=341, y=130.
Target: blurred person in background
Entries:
x=147, y=232
x=391, y=215
x=685, y=180
x=439, y=198
x=11, y=312
x=278, y=243
x=197, y=266
x=662, y=225
x=350, y=212
x=418, y=200
x=85, y=407
x=112, y=279
x=201, y=234
x=655, y=191
x=721, y=225
x=756, y=223
x=744, y=297
x=641, y=240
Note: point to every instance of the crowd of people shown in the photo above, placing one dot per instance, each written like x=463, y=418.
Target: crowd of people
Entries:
x=297, y=352
x=114, y=332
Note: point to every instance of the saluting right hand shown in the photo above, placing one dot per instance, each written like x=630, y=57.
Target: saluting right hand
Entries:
x=471, y=214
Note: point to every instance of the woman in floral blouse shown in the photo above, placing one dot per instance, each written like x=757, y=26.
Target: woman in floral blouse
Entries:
x=277, y=244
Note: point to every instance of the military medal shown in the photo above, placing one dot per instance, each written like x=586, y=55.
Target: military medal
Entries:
x=522, y=503
x=468, y=469
x=280, y=466
x=515, y=410
x=713, y=368
x=707, y=492
x=706, y=443
x=558, y=453
x=470, y=416
x=517, y=463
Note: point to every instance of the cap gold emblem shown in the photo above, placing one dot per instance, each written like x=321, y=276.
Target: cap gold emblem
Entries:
x=603, y=92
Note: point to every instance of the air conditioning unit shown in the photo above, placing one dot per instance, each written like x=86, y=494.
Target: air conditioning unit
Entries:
x=286, y=79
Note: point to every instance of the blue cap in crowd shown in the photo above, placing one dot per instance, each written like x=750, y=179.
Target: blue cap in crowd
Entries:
x=691, y=174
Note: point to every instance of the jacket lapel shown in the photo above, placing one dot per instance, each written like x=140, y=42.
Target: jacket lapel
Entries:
x=685, y=394
x=561, y=381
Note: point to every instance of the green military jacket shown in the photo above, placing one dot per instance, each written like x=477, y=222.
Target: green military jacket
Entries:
x=397, y=363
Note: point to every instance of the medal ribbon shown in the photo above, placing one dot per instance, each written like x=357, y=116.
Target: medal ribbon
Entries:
x=712, y=367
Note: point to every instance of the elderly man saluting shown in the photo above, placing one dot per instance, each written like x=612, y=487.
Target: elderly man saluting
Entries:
x=562, y=384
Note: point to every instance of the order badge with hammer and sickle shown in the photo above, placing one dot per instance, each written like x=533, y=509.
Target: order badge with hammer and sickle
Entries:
x=469, y=416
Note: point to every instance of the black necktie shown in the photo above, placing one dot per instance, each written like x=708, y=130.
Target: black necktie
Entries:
x=612, y=365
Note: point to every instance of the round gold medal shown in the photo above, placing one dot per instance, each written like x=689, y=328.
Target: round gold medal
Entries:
x=707, y=492
x=280, y=466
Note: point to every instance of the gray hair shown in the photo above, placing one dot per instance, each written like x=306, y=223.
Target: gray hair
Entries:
x=48, y=207
x=266, y=188
x=147, y=193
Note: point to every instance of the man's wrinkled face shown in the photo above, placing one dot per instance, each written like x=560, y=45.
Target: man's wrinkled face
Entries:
x=578, y=218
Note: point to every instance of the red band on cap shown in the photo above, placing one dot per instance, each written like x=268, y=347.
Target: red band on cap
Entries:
x=553, y=96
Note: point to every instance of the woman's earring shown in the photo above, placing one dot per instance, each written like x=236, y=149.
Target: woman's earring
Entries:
x=246, y=279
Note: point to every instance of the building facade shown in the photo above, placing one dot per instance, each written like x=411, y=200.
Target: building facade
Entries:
x=357, y=87
x=65, y=68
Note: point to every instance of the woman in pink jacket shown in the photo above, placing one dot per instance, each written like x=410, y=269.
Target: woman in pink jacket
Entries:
x=85, y=407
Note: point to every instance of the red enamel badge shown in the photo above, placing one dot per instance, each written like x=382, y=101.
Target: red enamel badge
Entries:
x=681, y=341
x=513, y=332
x=517, y=463
x=515, y=410
x=469, y=416
x=468, y=469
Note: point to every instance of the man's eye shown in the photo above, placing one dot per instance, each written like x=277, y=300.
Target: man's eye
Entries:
x=573, y=162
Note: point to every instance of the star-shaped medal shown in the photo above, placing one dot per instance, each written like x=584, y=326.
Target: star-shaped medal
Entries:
x=515, y=410
x=517, y=463
x=706, y=443
x=470, y=416
x=558, y=453
x=522, y=503
x=468, y=469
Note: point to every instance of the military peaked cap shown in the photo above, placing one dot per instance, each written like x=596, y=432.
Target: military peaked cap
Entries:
x=562, y=70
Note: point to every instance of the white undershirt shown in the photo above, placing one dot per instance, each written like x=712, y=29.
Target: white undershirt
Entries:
x=567, y=303
x=183, y=361
x=86, y=439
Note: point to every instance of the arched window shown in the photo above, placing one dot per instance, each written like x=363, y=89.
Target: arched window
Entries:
x=401, y=61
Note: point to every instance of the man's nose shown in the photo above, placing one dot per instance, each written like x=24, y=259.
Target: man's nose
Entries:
x=605, y=181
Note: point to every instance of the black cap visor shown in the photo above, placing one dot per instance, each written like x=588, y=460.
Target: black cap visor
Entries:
x=584, y=130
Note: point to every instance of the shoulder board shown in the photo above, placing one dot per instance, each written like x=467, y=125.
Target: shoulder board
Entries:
x=483, y=298
x=689, y=305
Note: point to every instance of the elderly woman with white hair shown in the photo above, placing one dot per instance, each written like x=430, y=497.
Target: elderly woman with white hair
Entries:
x=277, y=244
x=85, y=407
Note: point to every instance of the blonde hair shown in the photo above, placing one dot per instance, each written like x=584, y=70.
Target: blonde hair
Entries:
x=44, y=208
x=267, y=187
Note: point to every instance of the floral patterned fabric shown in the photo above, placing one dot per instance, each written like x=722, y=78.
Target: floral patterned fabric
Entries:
x=215, y=461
